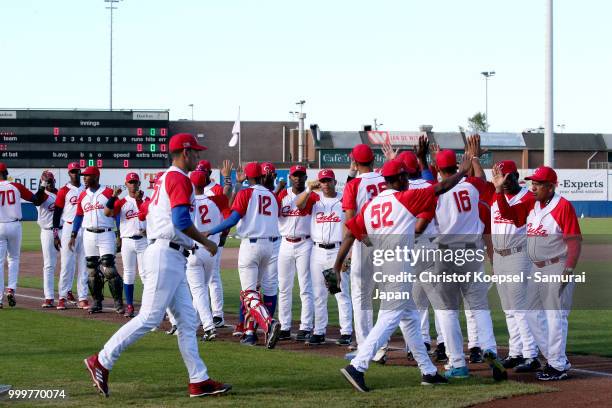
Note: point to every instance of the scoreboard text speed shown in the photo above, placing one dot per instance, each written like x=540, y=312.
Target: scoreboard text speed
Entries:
x=106, y=139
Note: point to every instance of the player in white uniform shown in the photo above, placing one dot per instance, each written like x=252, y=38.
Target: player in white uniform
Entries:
x=326, y=232
x=98, y=239
x=357, y=192
x=132, y=234
x=200, y=265
x=255, y=210
x=45, y=222
x=11, y=195
x=389, y=222
x=71, y=261
x=553, y=246
x=172, y=232
x=294, y=256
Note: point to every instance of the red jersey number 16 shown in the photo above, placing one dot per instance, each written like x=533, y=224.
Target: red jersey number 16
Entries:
x=462, y=199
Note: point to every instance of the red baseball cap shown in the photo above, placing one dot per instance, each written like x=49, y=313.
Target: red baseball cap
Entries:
x=252, y=170
x=507, y=166
x=410, y=161
x=204, y=165
x=362, y=153
x=326, y=174
x=184, y=141
x=131, y=177
x=446, y=158
x=91, y=171
x=543, y=174
x=3, y=167
x=198, y=178
x=393, y=168
x=267, y=168
x=298, y=168
x=74, y=166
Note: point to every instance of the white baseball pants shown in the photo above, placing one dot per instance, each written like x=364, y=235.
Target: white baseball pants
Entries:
x=254, y=260
x=321, y=259
x=71, y=262
x=49, y=261
x=10, y=249
x=215, y=286
x=165, y=287
x=362, y=286
x=513, y=299
x=99, y=244
x=200, y=268
x=132, y=251
x=291, y=258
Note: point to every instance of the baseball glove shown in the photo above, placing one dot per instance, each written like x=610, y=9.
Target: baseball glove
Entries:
x=330, y=281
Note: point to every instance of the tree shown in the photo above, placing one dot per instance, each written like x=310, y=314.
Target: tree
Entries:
x=478, y=122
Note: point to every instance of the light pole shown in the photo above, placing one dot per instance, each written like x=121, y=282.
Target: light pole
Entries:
x=111, y=7
x=191, y=105
x=376, y=124
x=301, y=131
x=549, y=136
x=487, y=75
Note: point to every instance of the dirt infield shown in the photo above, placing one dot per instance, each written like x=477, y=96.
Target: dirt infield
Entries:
x=590, y=382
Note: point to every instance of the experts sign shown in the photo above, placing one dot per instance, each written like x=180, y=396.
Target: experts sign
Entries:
x=583, y=185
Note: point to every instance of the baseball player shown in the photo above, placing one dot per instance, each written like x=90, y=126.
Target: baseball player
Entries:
x=45, y=222
x=11, y=195
x=461, y=229
x=357, y=192
x=171, y=230
x=553, y=246
x=326, y=233
x=70, y=261
x=255, y=210
x=131, y=230
x=294, y=255
x=98, y=239
x=388, y=221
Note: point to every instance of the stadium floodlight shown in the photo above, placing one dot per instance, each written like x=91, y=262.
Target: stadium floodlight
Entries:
x=111, y=7
x=487, y=75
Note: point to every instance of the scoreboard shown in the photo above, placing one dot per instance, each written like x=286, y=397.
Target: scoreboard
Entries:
x=106, y=139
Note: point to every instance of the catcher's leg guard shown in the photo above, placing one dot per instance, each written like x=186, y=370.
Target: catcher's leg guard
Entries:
x=255, y=308
x=115, y=282
x=95, y=281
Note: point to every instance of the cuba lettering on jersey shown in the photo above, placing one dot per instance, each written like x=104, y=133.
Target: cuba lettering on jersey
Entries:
x=207, y=215
x=172, y=189
x=10, y=200
x=362, y=189
x=393, y=213
x=505, y=234
x=458, y=214
x=327, y=219
x=128, y=209
x=45, y=211
x=68, y=199
x=548, y=227
x=91, y=206
x=260, y=210
x=292, y=221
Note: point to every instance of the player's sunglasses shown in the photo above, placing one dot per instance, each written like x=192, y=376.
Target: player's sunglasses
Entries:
x=326, y=180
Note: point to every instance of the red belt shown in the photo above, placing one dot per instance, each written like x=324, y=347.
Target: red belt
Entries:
x=552, y=261
x=294, y=240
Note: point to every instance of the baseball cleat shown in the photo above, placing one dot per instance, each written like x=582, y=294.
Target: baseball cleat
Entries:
x=70, y=298
x=47, y=304
x=129, y=311
x=83, y=304
x=512, y=361
x=273, y=334
x=528, y=366
x=238, y=331
x=218, y=322
x=284, y=335
x=172, y=330
x=381, y=356
x=316, y=340
x=433, y=379
x=96, y=307
x=344, y=340
x=549, y=373
x=61, y=304
x=208, y=387
x=249, y=340
x=303, y=335
x=209, y=335
x=119, y=308
x=457, y=372
x=10, y=297
x=475, y=355
x=98, y=373
x=499, y=371
x=440, y=353
x=355, y=378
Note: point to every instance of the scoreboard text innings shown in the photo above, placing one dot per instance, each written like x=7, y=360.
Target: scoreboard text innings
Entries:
x=106, y=139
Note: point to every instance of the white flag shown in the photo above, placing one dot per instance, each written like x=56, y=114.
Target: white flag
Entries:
x=235, y=132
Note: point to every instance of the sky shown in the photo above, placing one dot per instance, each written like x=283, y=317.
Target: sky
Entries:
x=404, y=62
